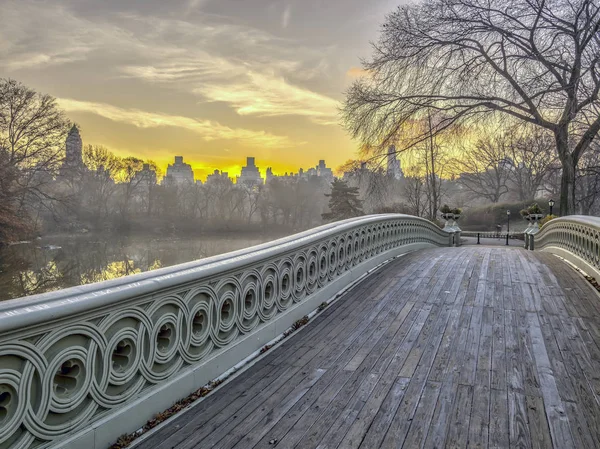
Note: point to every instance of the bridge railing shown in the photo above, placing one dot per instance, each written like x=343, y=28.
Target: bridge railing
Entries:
x=575, y=238
x=81, y=366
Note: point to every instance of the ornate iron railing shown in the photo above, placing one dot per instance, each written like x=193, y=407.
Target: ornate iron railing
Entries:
x=81, y=366
x=576, y=238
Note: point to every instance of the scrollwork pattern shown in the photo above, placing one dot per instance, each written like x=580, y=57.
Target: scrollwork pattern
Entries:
x=61, y=378
x=578, y=235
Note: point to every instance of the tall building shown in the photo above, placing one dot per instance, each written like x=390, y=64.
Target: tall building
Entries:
x=393, y=164
x=73, y=150
x=250, y=174
x=179, y=172
x=324, y=172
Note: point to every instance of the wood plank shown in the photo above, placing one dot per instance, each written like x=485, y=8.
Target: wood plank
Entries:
x=499, y=427
x=459, y=347
x=554, y=408
x=419, y=426
x=460, y=419
x=519, y=432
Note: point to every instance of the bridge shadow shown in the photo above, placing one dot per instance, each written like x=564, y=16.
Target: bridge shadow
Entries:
x=478, y=345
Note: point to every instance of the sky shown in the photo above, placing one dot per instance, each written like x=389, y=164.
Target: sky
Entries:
x=211, y=80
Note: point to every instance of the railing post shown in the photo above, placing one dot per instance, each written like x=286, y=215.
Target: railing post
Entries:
x=478, y=242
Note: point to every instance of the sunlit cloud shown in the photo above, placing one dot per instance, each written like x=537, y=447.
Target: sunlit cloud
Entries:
x=267, y=96
x=357, y=72
x=209, y=130
x=248, y=92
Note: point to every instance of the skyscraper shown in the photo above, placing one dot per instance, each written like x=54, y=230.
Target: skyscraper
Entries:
x=74, y=149
x=324, y=172
x=393, y=164
x=179, y=172
x=250, y=174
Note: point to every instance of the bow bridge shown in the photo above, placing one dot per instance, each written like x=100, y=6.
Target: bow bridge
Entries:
x=380, y=331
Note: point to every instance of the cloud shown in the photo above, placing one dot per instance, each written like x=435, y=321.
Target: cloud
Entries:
x=255, y=76
x=286, y=16
x=267, y=96
x=212, y=58
x=357, y=72
x=207, y=129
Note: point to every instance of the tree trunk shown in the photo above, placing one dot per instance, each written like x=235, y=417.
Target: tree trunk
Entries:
x=567, y=187
x=567, y=181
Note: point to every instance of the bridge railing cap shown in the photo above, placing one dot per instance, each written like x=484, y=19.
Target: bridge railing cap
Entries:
x=20, y=312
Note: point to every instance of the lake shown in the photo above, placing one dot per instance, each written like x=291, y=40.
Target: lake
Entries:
x=55, y=263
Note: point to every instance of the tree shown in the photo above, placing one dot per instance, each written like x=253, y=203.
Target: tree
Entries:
x=535, y=61
x=533, y=156
x=413, y=191
x=99, y=185
x=485, y=169
x=32, y=132
x=372, y=181
x=343, y=202
x=588, y=181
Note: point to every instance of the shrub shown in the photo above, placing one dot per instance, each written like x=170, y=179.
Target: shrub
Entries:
x=445, y=209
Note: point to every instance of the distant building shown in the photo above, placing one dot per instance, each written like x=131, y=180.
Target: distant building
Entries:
x=250, y=174
x=394, y=169
x=73, y=162
x=179, y=173
x=146, y=177
x=218, y=177
x=74, y=148
x=324, y=172
x=311, y=172
x=321, y=171
x=269, y=175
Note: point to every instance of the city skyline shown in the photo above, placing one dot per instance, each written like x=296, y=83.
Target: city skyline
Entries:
x=212, y=81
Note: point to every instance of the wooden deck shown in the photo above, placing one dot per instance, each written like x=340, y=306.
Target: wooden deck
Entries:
x=454, y=347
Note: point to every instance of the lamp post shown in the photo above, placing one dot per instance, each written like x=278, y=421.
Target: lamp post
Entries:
x=507, y=225
x=551, y=204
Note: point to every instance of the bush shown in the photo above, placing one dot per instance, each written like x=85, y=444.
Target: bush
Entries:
x=535, y=209
x=445, y=209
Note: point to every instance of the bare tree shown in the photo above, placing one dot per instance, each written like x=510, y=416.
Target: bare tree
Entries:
x=533, y=157
x=413, y=191
x=533, y=60
x=32, y=131
x=99, y=183
x=588, y=181
x=485, y=168
x=370, y=177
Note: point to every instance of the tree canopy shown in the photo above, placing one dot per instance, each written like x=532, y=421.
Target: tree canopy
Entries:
x=533, y=60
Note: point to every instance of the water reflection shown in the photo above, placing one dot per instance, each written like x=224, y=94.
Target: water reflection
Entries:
x=51, y=264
